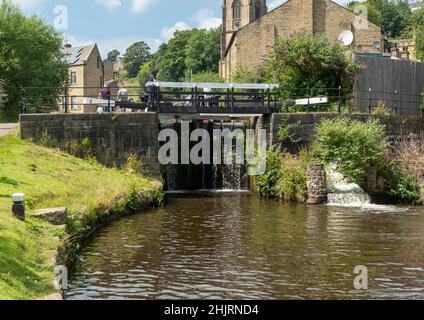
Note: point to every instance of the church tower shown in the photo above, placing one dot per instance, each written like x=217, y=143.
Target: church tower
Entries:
x=238, y=13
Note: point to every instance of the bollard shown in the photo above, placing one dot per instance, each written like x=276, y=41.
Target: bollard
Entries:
x=18, y=207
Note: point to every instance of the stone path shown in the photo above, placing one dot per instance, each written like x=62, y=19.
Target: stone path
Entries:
x=7, y=127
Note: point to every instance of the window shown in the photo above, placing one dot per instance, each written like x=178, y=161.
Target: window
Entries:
x=98, y=62
x=236, y=9
x=257, y=9
x=101, y=82
x=74, y=105
x=73, y=77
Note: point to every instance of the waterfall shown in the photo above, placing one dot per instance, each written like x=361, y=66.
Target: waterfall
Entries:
x=214, y=177
x=341, y=192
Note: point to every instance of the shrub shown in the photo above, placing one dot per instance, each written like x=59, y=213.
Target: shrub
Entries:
x=355, y=146
x=382, y=109
x=293, y=179
x=267, y=183
x=401, y=184
x=134, y=164
x=310, y=65
x=285, y=177
x=352, y=145
x=409, y=154
x=206, y=76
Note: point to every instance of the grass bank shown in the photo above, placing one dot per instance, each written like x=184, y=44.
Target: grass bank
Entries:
x=51, y=178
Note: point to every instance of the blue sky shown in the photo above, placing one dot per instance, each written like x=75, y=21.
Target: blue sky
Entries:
x=115, y=24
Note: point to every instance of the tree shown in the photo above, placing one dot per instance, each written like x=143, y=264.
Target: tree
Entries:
x=306, y=64
x=203, y=51
x=374, y=15
x=417, y=30
x=144, y=74
x=2, y=96
x=137, y=54
x=172, y=65
x=113, y=55
x=30, y=56
x=188, y=52
x=394, y=16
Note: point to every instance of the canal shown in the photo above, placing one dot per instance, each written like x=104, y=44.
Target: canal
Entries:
x=238, y=246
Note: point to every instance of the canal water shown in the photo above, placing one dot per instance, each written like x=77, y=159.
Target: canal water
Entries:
x=238, y=246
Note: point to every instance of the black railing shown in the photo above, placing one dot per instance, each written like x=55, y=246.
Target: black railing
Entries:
x=222, y=100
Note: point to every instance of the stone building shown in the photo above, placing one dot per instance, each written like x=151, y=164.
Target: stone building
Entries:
x=250, y=30
x=113, y=69
x=86, y=75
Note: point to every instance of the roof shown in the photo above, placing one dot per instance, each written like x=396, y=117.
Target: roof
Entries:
x=78, y=55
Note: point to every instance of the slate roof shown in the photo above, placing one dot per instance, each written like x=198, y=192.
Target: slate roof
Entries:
x=77, y=55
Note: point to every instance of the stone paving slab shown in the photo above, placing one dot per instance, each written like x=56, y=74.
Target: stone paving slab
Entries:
x=5, y=128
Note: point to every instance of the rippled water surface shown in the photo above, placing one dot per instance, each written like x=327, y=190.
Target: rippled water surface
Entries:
x=242, y=247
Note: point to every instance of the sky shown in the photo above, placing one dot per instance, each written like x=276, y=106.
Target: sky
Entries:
x=116, y=24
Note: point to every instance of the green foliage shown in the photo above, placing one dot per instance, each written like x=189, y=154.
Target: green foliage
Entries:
x=286, y=132
x=113, y=55
x=310, y=65
x=91, y=192
x=30, y=56
x=352, y=145
x=246, y=75
x=402, y=185
x=2, y=96
x=374, y=15
x=144, y=74
x=134, y=164
x=135, y=56
x=190, y=51
x=285, y=177
x=267, y=184
x=203, y=51
x=382, y=109
x=9, y=181
x=394, y=16
x=206, y=76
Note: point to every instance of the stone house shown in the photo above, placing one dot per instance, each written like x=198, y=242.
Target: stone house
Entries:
x=113, y=69
x=86, y=75
x=250, y=30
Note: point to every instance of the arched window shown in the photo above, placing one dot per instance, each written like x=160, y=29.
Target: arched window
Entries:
x=236, y=9
x=257, y=9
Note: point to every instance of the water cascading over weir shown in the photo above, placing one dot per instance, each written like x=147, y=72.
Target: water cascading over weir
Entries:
x=344, y=193
x=210, y=176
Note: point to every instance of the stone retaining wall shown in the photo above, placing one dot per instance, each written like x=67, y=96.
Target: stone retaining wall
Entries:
x=113, y=136
x=396, y=126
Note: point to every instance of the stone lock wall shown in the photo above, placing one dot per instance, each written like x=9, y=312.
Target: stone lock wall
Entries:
x=317, y=184
x=113, y=136
x=303, y=133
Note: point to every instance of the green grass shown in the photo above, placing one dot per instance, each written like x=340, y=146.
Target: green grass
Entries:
x=51, y=178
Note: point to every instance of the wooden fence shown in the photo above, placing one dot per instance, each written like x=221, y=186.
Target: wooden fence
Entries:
x=397, y=83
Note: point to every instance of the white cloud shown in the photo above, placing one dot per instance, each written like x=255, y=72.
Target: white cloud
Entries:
x=206, y=19
x=29, y=4
x=110, y=4
x=109, y=44
x=142, y=5
x=168, y=32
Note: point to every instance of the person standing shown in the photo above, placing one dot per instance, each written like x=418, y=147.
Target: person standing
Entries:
x=152, y=88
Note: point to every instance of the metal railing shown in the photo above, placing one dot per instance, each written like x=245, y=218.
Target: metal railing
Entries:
x=220, y=97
